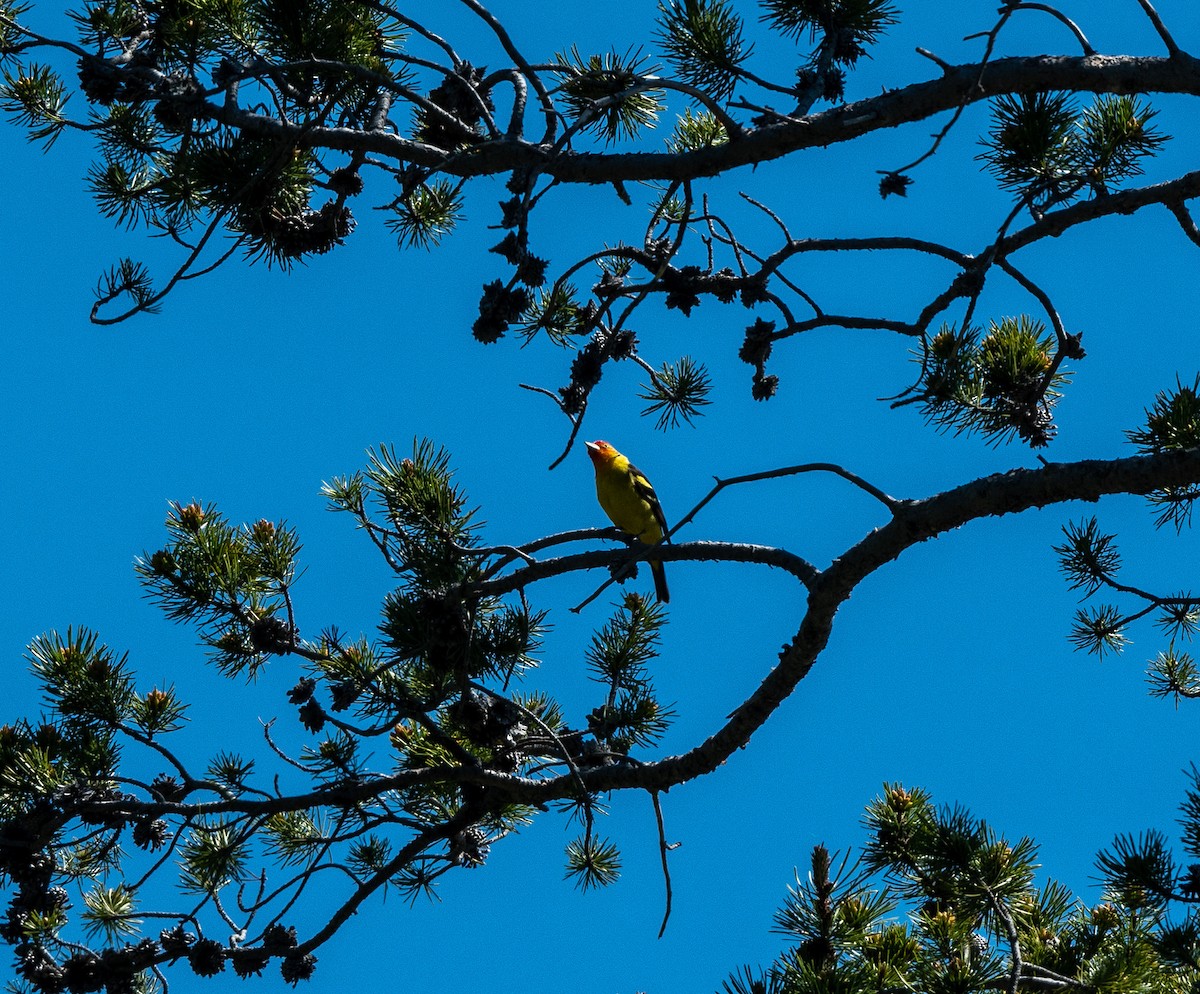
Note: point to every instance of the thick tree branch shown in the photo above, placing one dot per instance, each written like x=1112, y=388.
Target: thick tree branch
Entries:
x=915, y=102
x=917, y=521
x=913, y=522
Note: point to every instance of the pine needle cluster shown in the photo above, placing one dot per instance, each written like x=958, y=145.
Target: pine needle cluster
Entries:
x=1002, y=383
x=1049, y=152
x=388, y=770
x=939, y=901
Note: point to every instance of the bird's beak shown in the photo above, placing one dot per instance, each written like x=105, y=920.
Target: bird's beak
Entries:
x=592, y=448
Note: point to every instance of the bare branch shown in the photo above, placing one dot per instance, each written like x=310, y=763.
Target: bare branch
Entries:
x=939, y=62
x=1097, y=74
x=724, y=552
x=1161, y=28
x=663, y=849
x=1054, y=12
x=1060, y=332
x=522, y=64
x=182, y=273
x=1187, y=223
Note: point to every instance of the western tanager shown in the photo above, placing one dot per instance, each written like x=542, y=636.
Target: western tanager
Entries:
x=630, y=503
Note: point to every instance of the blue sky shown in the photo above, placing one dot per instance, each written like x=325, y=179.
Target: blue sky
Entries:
x=949, y=669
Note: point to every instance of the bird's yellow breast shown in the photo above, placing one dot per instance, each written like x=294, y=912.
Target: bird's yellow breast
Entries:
x=625, y=507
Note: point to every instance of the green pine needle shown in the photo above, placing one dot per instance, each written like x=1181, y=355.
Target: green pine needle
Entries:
x=695, y=131
x=1138, y=871
x=83, y=679
x=1041, y=147
x=10, y=30
x=592, y=862
x=557, y=313
x=1088, y=558
x=109, y=911
x=369, y=856
x=35, y=99
x=1172, y=423
x=1115, y=137
x=608, y=93
x=1031, y=145
x=427, y=215
x=1173, y=674
x=231, y=770
x=1098, y=630
x=999, y=385
x=677, y=392
x=296, y=838
x=748, y=980
x=1180, y=619
x=213, y=856
x=628, y=641
x=703, y=40
x=859, y=23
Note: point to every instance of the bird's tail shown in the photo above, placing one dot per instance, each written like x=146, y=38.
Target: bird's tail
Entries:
x=660, y=581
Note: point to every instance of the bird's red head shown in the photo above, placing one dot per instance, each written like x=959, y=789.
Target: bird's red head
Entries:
x=601, y=452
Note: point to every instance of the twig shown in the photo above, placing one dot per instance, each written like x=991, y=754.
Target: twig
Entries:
x=873, y=244
x=180, y=274
x=416, y=26
x=847, y=321
x=658, y=549
x=1060, y=332
x=724, y=236
x=1186, y=222
x=766, y=84
x=525, y=551
x=940, y=63
x=724, y=552
x=1053, y=12
x=521, y=63
x=1173, y=49
x=1124, y=202
x=576, y=424
x=771, y=214
x=891, y=503
x=1014, y=939
x=663, y=849
x=732, y=128
x=554, y=737
x=542, y=390
x=520, y=97
x=406, y=855
x=966, y=98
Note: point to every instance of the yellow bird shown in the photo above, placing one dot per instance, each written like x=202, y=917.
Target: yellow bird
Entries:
x=630, y=503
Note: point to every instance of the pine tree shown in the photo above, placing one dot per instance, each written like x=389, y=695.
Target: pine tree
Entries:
x=412, y=754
